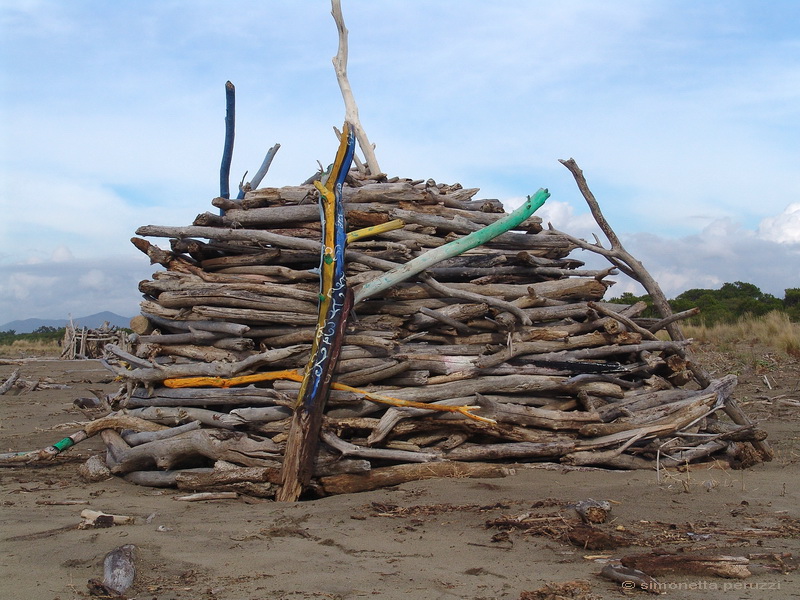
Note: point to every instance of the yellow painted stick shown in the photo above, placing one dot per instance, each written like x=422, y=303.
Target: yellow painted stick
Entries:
x=360, y=234
x=295, y=375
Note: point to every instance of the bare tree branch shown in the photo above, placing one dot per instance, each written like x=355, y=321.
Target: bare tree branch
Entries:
x=628, y=264
x=351, y=109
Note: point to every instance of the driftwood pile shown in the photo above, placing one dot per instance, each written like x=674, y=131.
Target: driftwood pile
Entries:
x=82, y=342
x=365, y=331
x=509, y=344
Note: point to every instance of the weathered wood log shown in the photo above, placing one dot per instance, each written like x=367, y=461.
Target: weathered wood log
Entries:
x=324, y=467
x=588, y=340
x=9, y=383
x=272, y=273
x=630, y=578
x=262, y=414
x=115, y=446
x=388, y=476
x=250, y=316
x=373, y=374
x=356, y=364
x=503, y=384
x=179, y=415
x=206, y=354
x=641, y=400
x=225, y=473
x=390, y=424
x=160, y=373
x=143, y=437
x=119, y=572
x=684, y=456
x=161, y=479
x=605, y=351
x=249, y=395
x=562, y=289
x=218, y=233
x=531, y=416
x=613, y=459
x=500, y=431
x=510, y=451
x=736, y=415
x=210, y=326
x=636, y=407
x=192, y=337
x=734, y=567
x=353, y=450
x=238, y=260
x=452, y=315
x=411, y=378
x=231, y=298
x=679, y=419
x=214, y=444
x=448, y=291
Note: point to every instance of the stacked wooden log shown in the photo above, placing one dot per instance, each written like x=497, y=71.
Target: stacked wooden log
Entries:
x=509, y=344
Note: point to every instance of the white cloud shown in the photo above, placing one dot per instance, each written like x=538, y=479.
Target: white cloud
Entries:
x=784, y=228
x=724, y=252
x=62, y=254
x=79, y=287
x=95, y=279
x=23, y=286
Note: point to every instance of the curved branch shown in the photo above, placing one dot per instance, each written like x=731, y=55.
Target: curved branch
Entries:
x=351, y=109
x=620, y=255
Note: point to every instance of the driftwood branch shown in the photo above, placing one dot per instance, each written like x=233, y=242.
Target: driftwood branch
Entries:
x=262, y=170
x=351, y=108
x=227, y=152
x=622, y=259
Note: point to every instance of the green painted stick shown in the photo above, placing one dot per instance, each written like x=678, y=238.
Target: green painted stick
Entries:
x=454, y=248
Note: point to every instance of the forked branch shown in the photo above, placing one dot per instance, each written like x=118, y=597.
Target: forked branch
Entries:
x=351, y=109
x=628, y=264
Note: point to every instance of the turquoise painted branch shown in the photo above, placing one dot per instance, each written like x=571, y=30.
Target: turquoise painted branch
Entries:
x=454, y=248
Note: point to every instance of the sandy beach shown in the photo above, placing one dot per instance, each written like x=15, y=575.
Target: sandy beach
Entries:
x=455, y=538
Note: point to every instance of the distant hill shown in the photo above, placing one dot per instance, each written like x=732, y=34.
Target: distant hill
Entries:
x=92, y=322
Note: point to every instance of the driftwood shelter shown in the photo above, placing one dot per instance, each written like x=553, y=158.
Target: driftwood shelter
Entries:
x=360, y=330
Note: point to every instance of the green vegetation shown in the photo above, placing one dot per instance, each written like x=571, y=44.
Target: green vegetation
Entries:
x=726, y=305
x=43, y=334
x=45, y=341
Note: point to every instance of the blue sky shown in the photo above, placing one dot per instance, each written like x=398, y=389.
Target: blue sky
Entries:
x=684, y=115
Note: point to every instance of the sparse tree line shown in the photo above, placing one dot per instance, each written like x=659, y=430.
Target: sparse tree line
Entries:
x=727, y=304
x=45, y=333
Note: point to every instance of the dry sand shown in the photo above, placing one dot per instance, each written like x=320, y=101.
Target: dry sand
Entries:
x=420, y=540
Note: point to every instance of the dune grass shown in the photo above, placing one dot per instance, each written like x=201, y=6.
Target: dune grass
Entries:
x=30, y=348
x=773, y=330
